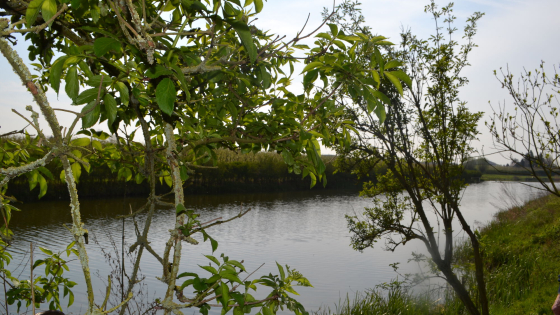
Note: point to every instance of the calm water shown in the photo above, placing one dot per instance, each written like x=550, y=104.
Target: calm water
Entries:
x=305, y=230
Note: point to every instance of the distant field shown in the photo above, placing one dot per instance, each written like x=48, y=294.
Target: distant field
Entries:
x=513, y=178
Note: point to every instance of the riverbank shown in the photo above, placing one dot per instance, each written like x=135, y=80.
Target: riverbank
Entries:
x=512, y=178
x=522, y=254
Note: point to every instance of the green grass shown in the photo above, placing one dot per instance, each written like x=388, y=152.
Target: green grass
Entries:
x=522, y=259
x=395, y=301
x=522, y=252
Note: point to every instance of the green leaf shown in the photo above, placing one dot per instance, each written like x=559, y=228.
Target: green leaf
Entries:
x=110, y=107
x=349, y=38
x=325, y=36
x=97, y=145
x=236, y=264
x=88, y=96
x=72, y=87
x=102, y=45
x=309, y=78
x=56, y=73
x=214, y=244
x=125, y=173
x=266, y=311
x=42, y=185
x=244, y=34
x=85, y=68
x=138, y=178
x=32, y=12
x=209, y=269
x=123, y=92
x=393, y=64
x=225, y=294
x=231, y=277
x=380, y=112
x=281, y=270
x=180, y=209
x=95, y=81
x=179, y=75
x=91, y=118
x=372, y=104
x=46, y=251
x=70, y=298
x=395, y=82
x=403, y=77
x=48, y=10
x=288, y=158
x=334, y=29
x=312, y=66
x=187, y=274
x=166, y=95
x=94, y=12
x=101, y=135
x=32, y=177
x=340, y=44
x=183, y=172
x=247, y=2
x=76, y=171
x=80, y=142
x=313, y=180
x=258, y=6
x=46, y=172
x=376, y=77
x=213, y=259
x=157, y=71
x=381, y=96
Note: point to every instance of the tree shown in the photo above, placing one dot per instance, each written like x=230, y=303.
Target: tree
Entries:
x=218, y=84
x=532, y=131
x=424, y=141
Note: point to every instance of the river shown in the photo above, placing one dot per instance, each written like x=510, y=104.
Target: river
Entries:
x=305, y=230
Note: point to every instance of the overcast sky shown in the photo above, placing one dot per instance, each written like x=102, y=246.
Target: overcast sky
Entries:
x=512, y=33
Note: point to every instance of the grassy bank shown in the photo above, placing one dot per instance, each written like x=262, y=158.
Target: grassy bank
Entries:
x=511, y=178
x=522, y=257
x=522, y=249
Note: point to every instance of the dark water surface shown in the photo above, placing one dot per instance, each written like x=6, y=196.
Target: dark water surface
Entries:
x=306, y=230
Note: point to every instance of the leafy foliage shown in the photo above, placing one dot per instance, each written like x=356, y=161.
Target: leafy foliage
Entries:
x=423, y=138
x=46, y=288
x=220, y=83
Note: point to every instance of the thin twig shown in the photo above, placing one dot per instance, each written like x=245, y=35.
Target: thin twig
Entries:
x=14, y=132
x=41, y=27
x=31, y=267
x=68, y=111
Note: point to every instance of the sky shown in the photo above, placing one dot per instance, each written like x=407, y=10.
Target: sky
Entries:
x=514, y=34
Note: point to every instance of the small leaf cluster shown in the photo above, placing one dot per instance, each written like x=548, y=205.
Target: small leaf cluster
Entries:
x=47, y=287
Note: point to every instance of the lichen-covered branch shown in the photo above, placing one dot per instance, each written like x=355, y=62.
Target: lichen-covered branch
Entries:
x=175, y=238
x=14, y=171
x=78, y=230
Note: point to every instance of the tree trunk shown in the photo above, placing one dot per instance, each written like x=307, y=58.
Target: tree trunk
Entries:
x=458, y=287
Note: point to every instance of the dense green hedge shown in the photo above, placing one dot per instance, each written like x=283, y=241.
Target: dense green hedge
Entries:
x=234, y=173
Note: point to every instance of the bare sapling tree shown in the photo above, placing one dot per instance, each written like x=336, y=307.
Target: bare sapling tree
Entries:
x=532, y=130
